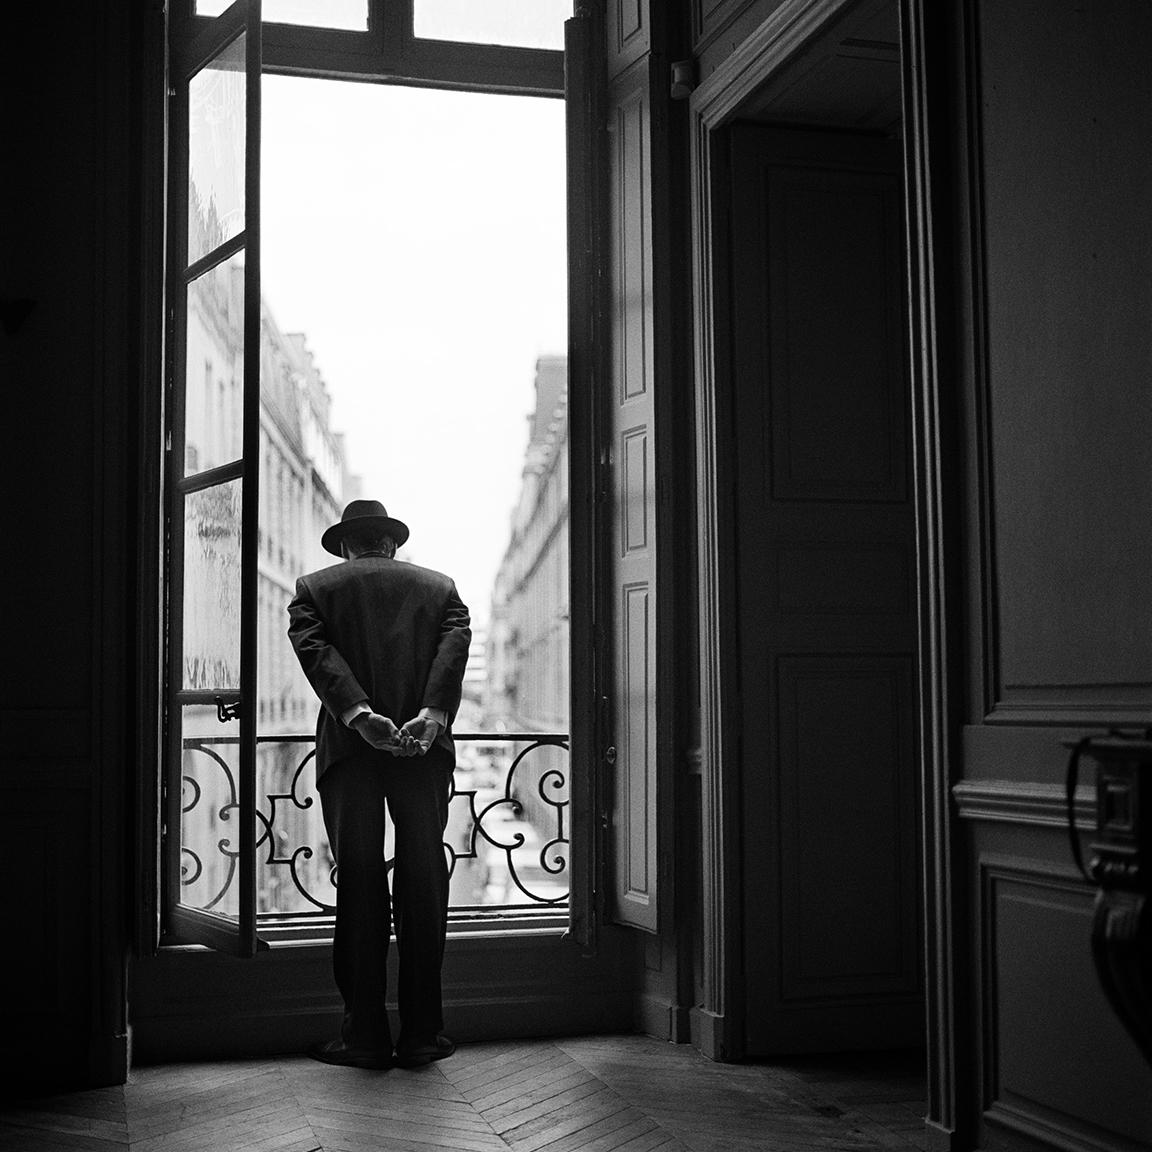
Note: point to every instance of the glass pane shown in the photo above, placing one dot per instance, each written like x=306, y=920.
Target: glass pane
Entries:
x=351, y=15
x=216, y=100
x=515, y=23
x=214, y=368
x=209, y=823
x=212, y=588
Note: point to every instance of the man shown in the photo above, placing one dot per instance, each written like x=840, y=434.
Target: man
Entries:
x=383, y=644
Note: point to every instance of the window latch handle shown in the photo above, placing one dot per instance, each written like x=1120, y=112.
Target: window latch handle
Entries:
x=226, y=712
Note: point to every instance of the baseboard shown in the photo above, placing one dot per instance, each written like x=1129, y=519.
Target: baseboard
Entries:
x=659, y=1017
x=108, y=1060
x=940, y=1139
x=64, y=1060
x=709, y=1032
x=680, y=1023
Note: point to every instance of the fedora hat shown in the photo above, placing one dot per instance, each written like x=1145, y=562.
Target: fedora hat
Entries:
x=363, y=514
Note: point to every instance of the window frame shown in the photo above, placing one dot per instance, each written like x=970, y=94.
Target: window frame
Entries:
x=241, y=21
x=388, y=52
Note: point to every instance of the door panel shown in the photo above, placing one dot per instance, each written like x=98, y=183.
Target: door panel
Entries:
x=631, y=462
x=826, y=562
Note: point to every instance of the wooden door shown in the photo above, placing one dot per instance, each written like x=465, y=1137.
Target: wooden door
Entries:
x=826, y=591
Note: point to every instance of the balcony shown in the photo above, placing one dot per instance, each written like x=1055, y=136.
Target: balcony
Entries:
x=506, y=843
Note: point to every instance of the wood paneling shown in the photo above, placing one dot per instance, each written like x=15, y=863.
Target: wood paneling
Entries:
x=847, y=922
x=635, y=806
x=847, y=578
x=47, y=856
x=635, y=499
x=1026, y=156
x=1057, y=1063
x=837, y=389
x=70, y=371
x=634, y=573
x=629, y=33
x=1066, y=111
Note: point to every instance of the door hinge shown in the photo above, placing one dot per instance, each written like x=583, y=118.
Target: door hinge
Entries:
x=683, y=79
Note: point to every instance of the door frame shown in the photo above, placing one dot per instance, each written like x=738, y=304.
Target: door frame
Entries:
x=717, y=1021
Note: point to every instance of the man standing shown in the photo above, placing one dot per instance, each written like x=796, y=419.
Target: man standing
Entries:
x=384, y=645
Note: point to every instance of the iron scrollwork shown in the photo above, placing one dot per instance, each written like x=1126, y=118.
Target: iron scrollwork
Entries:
x=508, y=825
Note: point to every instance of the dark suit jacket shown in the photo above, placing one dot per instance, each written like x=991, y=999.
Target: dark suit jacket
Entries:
x=384, y=631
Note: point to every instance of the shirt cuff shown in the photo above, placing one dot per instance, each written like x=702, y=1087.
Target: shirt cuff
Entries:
x=437, y=714
x=350, y=714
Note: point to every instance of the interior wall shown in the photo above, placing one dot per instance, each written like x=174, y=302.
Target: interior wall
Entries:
x=1052, y=106
x=68, y=204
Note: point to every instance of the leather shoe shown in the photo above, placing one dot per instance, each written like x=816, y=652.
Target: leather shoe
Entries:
x=337, y=1052
x=420, y=1054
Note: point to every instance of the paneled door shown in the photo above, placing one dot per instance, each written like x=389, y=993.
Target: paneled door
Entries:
x=825, y=571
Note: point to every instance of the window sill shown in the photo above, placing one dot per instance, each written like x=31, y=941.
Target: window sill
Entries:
x=465, y=924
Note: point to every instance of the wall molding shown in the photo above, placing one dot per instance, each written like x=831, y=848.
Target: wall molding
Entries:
x=719, y=753
x=928, y=75
x=1036, y=805
x=1054, y=1133
x=1074, y=706
x=788, y=30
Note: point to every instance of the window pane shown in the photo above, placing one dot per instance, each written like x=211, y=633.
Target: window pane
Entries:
x=216, y=152
x=347, y=14
x=214, y=368
x=209, y=823
x=212, y=587
x=515, y=23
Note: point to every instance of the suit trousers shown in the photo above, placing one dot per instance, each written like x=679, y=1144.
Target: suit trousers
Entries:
x=353, y=795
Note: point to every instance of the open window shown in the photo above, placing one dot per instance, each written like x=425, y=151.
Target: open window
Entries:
x=213, y=484
x=258, y=466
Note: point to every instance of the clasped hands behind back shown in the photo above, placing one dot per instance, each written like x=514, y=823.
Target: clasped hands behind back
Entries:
x=413, y=738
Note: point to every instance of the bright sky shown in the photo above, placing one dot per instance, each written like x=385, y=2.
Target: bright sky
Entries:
x=417, y=238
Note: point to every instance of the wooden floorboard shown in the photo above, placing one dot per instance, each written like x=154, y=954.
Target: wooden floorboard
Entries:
x=586, y=1094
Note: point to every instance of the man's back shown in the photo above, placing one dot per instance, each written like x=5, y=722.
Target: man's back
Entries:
x=378, y=629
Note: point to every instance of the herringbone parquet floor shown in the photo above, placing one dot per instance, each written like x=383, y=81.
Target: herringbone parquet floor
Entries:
x=595, y=1094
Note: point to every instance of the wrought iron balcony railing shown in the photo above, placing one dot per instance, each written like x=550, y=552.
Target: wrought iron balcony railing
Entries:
x=507, y=840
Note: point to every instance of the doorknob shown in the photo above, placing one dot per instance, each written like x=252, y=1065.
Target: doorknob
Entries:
x=610, y=754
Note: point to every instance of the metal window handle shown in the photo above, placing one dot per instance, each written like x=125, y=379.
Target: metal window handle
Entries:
x=226, y=712
x=610, y=754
